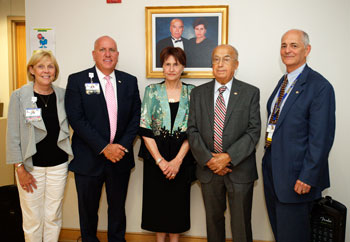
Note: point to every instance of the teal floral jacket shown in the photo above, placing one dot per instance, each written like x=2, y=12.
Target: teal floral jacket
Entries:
x=155, y=111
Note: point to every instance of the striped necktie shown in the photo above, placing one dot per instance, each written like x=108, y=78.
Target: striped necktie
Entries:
x=219, y=120
x=276, y=110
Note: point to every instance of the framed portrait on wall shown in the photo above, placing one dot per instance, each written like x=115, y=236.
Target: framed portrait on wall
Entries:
x=195, y=29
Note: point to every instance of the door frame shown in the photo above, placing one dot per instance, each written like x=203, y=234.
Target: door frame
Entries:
x=11, y=33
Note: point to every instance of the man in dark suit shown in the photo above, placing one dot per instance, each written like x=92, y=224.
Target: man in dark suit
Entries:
x=299, y=136
x=175, y=40
x=223, y=130
x=103, y=108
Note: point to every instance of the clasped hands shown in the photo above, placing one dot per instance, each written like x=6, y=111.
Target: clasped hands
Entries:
x=170, y=168
x=114, y=152
x=219, y=163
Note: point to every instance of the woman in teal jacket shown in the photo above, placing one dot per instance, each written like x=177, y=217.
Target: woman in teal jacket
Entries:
x=168, y=162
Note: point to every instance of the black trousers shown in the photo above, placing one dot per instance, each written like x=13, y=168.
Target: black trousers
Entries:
x=89, y=193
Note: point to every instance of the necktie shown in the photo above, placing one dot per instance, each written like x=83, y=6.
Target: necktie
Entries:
x=176, y=40
x=276, y=109
x=219, y=119
x=112, y=108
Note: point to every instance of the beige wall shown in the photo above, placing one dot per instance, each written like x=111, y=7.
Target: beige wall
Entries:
x=7, y=8
x=255, y=28
x=6, y=171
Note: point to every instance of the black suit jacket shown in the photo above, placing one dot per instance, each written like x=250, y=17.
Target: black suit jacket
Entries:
x=88, y=116
x=165, y=43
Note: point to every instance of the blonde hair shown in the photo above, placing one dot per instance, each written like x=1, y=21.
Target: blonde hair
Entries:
x=38, y=56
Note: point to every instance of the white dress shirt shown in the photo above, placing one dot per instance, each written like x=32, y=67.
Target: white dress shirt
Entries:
x=225, y=94
x=177, y=44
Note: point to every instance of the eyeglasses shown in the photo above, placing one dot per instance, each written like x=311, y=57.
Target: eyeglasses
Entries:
x=225, y=60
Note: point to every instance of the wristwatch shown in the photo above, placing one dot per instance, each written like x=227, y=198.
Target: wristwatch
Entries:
x=18, y=165
x=158, y=161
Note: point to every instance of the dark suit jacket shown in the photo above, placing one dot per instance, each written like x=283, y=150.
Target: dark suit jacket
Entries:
x=88, y=116
x=199, y=55
x=303, y=137
x=166, y=43
x=240, y=135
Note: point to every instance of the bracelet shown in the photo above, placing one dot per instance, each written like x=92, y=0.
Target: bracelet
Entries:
x=18, y=166
x=158, y=161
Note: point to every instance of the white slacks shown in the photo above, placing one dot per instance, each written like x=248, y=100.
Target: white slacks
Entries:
x=42, y=209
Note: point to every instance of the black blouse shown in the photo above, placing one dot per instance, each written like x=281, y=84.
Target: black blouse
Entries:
x=48, y=153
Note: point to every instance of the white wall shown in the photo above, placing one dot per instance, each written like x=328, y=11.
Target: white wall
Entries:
x=255, y=28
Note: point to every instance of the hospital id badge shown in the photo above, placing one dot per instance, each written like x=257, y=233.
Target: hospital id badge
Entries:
x=92, y=88
x=33, y=114
x=270, y=129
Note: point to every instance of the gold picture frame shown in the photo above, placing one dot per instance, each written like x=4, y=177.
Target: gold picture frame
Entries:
x=158, y=29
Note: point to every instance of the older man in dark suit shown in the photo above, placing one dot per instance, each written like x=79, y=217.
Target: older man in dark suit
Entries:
x=103, y=108
x=300, y=134
x=175, y=40
x=223, y=129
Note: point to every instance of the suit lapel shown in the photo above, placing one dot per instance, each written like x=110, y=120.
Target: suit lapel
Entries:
x=293, y=96
x=209, y=102
x=100, y=97
x=60, y=105
x=121, y=86
x=234, y=95
x=61, y=112
x=170, y=42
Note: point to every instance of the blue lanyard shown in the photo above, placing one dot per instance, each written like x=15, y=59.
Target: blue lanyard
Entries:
x=278, y=105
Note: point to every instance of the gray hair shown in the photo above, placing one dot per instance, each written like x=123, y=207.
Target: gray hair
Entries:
x=304, y=36
x=233, y=48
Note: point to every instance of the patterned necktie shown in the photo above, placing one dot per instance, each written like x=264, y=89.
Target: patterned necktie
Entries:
x=276, y=109
x=112, y=108
x=219, y=119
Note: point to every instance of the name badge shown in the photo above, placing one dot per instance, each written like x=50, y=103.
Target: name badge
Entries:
x=33, y=114
x=270, y=129
x=92, y=88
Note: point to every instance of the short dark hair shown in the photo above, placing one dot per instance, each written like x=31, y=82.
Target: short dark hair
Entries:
x=199, y=21
x=176, y=52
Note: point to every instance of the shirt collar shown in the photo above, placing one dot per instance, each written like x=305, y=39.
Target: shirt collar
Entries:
x=294, y=74
x=101, y=76
x=218, y=85
x=173, y=38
